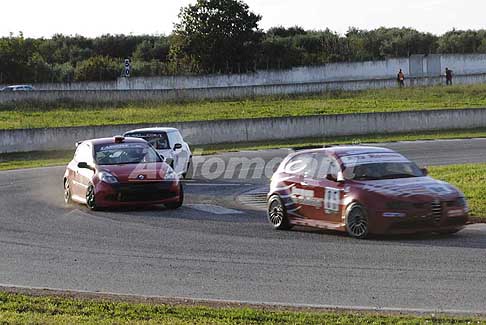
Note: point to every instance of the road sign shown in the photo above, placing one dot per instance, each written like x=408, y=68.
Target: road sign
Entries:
x=128, y=68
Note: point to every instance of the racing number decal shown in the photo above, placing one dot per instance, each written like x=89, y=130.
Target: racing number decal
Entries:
x=332, y=198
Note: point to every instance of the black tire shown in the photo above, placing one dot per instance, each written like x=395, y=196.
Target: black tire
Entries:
x=357, y=221
x=187, y=174
x=91, y=198
x=178, y=204
x=67, y=192
x=448, y=232
x=277, y=214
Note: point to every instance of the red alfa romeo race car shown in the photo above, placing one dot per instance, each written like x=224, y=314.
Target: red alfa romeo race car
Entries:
x=115, y=172
x=362, y=190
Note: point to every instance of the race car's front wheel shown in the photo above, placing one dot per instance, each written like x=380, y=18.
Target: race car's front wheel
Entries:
x=277, y=214
x=178, y=203
x=357, y=221
x=91, y=197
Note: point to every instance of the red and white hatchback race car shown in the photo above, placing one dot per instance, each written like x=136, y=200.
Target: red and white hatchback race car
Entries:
x=115, y=172
x=362, y=190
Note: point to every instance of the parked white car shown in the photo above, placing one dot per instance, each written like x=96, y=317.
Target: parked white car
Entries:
x=18, y=88
x=169, y=144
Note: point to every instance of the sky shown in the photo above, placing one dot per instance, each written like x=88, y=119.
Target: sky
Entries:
x=97, y=17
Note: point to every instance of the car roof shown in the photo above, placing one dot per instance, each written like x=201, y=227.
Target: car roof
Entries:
x=153, y=130
x=112, y=140
x=341, y=151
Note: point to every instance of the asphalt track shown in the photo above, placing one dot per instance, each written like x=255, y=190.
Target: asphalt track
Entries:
x=216, y=248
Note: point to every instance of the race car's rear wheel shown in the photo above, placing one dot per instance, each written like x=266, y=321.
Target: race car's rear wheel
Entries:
x=91, y=197
x=357, y=221
x=188, y=173
x=67, y=192
x=277, y=214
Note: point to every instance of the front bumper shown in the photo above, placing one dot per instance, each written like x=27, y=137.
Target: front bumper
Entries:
x=409, y=222
x=137, y=193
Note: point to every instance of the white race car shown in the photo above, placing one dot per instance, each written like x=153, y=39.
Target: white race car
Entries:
x=169, y=144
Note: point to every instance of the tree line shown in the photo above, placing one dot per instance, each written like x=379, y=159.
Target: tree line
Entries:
x=215, y=36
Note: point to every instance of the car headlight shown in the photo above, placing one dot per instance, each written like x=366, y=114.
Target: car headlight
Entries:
x=461, y=202
x=107, y=178
x=170, y=175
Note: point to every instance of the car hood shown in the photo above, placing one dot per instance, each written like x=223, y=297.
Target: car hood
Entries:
x=416, y=188
x=166, y=153
x=137, y=172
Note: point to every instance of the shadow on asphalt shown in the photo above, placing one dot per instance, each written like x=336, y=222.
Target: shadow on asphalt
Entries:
x=467, y=238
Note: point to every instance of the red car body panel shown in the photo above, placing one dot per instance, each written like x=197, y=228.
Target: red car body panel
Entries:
x=139, y=184
x=400, y=205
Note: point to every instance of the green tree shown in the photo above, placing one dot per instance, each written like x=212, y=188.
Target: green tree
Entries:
x=98, y=68
x=217, y=35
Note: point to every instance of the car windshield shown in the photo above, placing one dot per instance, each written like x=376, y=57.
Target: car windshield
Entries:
x=158, y=140
x=125, y=153
x=384, y=170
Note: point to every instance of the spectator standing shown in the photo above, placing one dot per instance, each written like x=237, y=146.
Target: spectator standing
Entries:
x=401, y=78
x=448, y=77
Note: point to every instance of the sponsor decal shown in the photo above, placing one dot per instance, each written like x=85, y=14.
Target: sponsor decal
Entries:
x=354, y=160
x=332, y=198
x=394, y=214
x=122, y=146
x=305, y=197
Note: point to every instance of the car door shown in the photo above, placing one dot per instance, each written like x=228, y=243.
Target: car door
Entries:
x=83, y=176
x=184, y=155
x=178, y=154
x=331, y=190
x=298, y=181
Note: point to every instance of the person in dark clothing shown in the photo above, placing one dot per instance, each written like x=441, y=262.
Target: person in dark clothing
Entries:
x=448, y=76
x=401, y=78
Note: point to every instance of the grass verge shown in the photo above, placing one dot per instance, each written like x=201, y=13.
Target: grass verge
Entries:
x=469, y=178
x=38, y=115
x=24, y=309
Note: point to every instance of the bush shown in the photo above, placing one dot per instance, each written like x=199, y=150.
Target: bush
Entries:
x=98, y=68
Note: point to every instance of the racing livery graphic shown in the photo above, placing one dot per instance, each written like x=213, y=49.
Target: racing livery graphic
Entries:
x=362, y=190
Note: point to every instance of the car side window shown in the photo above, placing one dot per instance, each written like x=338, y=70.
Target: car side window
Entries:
x=302, y=165
x=174, y=138
x=178, y=137
x=327, y=165
x=84, y=153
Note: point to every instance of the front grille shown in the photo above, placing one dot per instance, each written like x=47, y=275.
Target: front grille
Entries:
x=143, y=192
x=436, y=211
x=413, y=224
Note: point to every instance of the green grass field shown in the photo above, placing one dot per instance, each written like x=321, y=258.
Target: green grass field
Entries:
x=386, y=100
x=23, y=309
x=471, y=179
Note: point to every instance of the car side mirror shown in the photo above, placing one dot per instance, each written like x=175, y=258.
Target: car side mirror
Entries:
x=331, y=177
x=177, y=146
x=424, y=171
x=339, y=178
x=84, y=165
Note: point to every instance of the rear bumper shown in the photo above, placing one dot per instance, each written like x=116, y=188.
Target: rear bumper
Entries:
x=137, y=194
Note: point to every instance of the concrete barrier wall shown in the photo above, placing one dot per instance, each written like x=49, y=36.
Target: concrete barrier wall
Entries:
x=265, y=129
x=433, y=65
x=122, y=96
